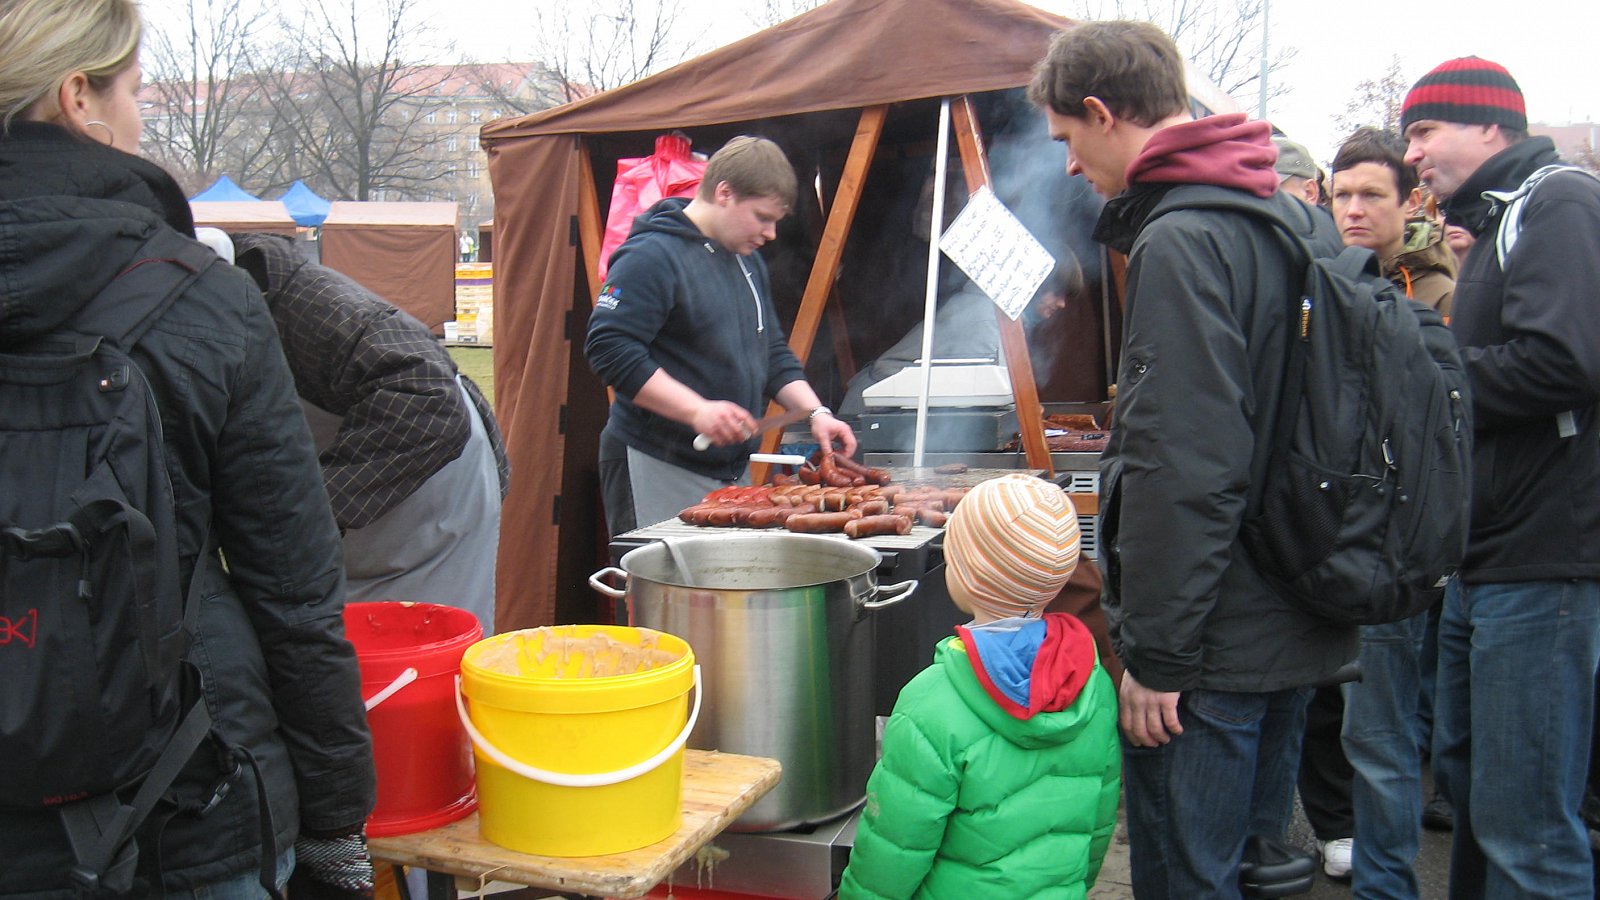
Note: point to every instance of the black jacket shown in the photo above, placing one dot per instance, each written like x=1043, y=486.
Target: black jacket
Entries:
x=676, y=300
x=1530, y=338
x=1204, y=340
x=281, y=679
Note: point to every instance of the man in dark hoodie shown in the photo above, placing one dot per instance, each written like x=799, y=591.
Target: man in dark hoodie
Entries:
x=1217, y=665
x=1519, y=637
x=686, y=334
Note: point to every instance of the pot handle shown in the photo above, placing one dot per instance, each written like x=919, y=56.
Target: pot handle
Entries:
x=566, y=779
x=404, y=678
x=906, y=588
x=599, y=585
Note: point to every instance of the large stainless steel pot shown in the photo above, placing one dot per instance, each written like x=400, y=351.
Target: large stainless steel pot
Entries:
x=782, y=627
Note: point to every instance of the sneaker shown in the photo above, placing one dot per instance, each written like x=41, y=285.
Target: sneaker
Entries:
x=1336, y=857
x=1438, y=814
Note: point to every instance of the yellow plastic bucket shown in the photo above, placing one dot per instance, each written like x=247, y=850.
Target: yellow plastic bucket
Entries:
x=578, y=734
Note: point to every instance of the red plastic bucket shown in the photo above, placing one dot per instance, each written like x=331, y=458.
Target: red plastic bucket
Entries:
x=410, y=654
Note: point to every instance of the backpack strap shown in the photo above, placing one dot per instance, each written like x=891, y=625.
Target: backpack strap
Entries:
x=1511, y=203
x=153, y=279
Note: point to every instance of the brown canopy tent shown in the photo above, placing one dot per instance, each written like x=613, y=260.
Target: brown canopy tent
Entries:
x=851, y=91
x=235, y=216
x=403, y=252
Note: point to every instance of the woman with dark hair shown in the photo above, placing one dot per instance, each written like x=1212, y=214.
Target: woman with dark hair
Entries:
x=289, y=755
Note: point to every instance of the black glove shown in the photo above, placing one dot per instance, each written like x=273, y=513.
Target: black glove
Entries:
x=335, y=868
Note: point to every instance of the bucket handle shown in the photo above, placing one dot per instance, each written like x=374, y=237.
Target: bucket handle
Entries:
x=400, y=681
x=906, y=589
x=602, y=587
x=565, y=779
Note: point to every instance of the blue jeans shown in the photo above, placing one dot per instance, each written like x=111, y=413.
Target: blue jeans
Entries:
x=1381, y=732
x=1192, y=803
x=1512, y=726
x=240, y=887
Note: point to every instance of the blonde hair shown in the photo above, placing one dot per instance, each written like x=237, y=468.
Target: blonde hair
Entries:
x=44, y=41
x=752, y=167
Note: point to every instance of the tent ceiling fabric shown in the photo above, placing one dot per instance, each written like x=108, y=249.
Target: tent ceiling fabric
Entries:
x=224, y=189
x=308, y=209
x=842, y=55
x=806, y=78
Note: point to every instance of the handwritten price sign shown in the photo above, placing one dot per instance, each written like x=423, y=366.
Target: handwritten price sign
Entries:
x=997, y=252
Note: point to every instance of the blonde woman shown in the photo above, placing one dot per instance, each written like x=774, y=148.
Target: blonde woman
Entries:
x=287, y=755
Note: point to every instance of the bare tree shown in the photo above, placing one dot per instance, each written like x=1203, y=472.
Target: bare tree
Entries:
x=354, y=99
x=604, y=44
x=1376, y=102
x=201, y=94
x=1220, y=38
x=1587, y=156
x=771, y=12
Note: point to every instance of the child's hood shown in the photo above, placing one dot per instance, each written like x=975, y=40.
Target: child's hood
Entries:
x=1023, y=677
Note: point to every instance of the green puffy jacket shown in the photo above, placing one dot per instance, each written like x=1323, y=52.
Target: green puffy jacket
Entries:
x=1000, y=774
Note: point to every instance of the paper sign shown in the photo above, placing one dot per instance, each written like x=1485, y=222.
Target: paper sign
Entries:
x=997, y=252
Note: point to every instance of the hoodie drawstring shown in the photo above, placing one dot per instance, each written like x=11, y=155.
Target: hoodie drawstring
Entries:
x=750, y=280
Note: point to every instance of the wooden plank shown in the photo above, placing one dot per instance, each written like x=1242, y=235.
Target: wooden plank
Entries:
x=825, y=268
x=717, y=788
x=1030, y=419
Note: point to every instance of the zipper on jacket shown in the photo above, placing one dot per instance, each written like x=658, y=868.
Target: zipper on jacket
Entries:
x=761, y=325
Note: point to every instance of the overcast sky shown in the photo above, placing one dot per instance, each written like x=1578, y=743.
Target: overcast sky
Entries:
x=1547, y=44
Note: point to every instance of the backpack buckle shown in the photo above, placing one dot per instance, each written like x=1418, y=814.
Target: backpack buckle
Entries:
x=224, y=785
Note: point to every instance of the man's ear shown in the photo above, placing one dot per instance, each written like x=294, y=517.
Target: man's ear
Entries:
x=1414, y=202
x=723, y=193
x=1098, y=114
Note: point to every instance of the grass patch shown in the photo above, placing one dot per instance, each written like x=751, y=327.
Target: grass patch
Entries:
x=476, y=363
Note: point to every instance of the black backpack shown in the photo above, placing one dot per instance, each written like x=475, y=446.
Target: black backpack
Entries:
x=99, y=713
x=1358, y=510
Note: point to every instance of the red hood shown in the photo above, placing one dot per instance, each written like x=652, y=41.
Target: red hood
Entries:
x=1227, y=150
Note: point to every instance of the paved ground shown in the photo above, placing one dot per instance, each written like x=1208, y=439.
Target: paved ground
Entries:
x=1432, y=866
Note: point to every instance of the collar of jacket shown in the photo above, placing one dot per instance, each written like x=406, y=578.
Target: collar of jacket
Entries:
x=1502, y=172
x=1124, y=215
x=1424, y=251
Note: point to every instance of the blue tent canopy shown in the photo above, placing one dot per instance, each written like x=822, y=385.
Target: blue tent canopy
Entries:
x=304, y=206
x=224, y=189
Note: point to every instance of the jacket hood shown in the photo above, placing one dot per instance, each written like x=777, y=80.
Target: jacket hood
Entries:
x=1226, y=150
x=1424, y=251
x=63, y=200
x=1502, y=172
x=1023, y=677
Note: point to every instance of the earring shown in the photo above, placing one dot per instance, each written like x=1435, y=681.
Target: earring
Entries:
x=111, y=136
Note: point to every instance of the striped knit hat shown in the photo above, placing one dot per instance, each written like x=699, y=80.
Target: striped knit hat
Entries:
x=1012, y=543
x=1467, y=91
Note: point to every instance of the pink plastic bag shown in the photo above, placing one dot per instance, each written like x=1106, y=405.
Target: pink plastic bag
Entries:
x=672, y=171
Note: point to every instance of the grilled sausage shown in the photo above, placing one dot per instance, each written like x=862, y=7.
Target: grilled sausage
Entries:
x=874, y=525
x=820, y=523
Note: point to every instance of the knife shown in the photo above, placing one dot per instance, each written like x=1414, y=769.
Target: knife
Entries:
x=763, y=424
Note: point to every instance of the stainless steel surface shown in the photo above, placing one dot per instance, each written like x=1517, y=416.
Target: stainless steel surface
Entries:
x=674, y=528
x=803, y=864
x=781, y=627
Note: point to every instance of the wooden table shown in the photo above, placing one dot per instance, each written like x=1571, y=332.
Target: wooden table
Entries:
x=717, y=788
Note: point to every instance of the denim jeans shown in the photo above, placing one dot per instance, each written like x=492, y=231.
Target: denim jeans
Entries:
x=1192, y=802
x=1381, y=729
x=246, y=886
x=1512, y=725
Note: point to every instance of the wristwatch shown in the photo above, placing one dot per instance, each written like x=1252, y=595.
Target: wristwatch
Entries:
x=817, y=412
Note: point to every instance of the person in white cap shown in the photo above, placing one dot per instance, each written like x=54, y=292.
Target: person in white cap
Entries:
x=1001, y=769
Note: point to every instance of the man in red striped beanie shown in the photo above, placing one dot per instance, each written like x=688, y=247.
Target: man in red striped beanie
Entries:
x=1519, y=636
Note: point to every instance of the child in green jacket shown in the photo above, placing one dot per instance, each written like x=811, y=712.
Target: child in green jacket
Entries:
x=1001, y=768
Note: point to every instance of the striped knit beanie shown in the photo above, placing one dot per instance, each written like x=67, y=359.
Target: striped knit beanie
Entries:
x=1012, y=543
x=1467, y=91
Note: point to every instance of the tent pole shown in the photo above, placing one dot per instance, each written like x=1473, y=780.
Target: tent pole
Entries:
x=590, y=227
x=1030, y=415
x=829, y=250
x=930, y=298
